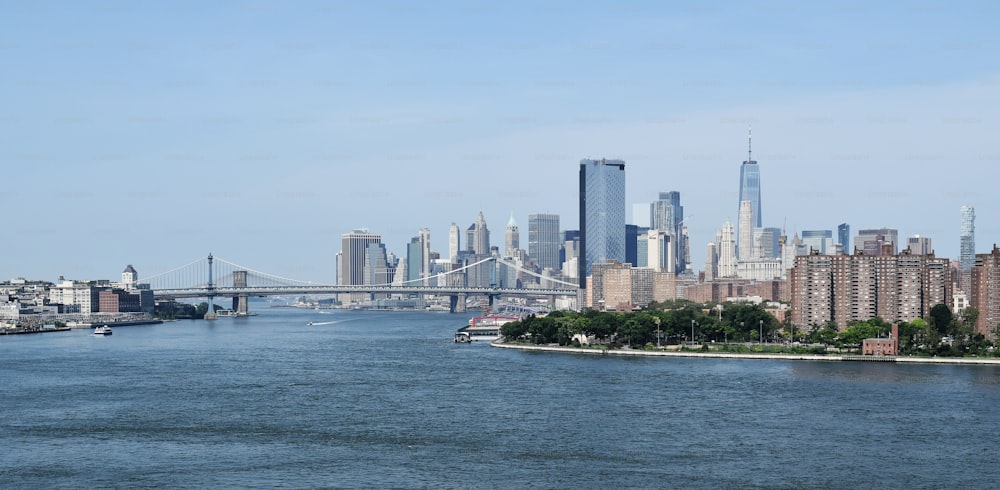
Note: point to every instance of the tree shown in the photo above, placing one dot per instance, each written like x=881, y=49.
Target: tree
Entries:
x=940, y=318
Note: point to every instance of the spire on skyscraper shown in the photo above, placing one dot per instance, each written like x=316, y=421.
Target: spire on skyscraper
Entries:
x=749, y=143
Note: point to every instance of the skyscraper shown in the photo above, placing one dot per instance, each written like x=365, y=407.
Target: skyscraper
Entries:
x=544, y=240
x=727, y=251
x=818, y=240
x=454, y=241
x=354, y=246
x=602, y=213
x=844, y=237
x=750, y=191
x=744, y=247
x=478, y=237
x=967, y=246
x=512, y=237
x=666, y=214
x=877, y=241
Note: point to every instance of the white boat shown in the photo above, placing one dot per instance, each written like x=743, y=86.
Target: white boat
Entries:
x=485, y=328
x=102, y=330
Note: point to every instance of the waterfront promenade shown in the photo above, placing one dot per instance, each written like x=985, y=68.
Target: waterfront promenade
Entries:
x=747, y=356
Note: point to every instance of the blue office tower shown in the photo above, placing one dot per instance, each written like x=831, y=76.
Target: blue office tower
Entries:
x=602, y=213
x=750, y=188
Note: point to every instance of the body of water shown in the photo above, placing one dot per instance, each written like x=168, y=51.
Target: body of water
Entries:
x=386, y=399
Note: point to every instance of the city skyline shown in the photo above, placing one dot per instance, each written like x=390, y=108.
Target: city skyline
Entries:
x=262, y=142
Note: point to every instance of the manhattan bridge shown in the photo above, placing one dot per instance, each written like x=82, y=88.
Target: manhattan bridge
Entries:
x=214, y=277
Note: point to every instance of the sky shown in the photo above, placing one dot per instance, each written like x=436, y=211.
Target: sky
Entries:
x=155, y=133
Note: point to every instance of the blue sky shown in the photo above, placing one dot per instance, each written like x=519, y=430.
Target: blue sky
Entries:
x=155, y=133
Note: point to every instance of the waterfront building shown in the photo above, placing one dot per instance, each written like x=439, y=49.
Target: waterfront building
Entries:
x=919, y=245
x=76, y=296
x=727, y=251
x=512, y=238
x=874, y=241
x=846, y=288
x=744, y=247
x=352, y=260
x=118, y=301
x=454, y=242
x=602, y=213
x=130, y=278
x=844, y=237
x=750, y=191
x=984, y=292
x=967, y=246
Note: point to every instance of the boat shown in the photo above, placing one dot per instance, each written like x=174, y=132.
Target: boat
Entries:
x=102, y=330
x=462, y=337
x=485, y=328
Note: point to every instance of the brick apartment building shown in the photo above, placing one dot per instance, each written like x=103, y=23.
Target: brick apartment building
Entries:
x=845, y=288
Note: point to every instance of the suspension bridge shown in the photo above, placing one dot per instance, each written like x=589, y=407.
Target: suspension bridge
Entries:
x=213, y=277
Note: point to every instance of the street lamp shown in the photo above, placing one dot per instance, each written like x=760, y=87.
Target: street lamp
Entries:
x=693, y=323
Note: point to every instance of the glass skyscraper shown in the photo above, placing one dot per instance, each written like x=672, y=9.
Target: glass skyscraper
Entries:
x=967, y=247
x=544, y=240
x=602, y=213
x=844, y=237
x=750, y=190
x=666, y=214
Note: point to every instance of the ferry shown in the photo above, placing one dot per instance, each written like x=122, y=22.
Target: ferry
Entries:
x=484, y=328
x=102, y=330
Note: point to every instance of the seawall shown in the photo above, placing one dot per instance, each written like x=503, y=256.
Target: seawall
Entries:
x=748, y=356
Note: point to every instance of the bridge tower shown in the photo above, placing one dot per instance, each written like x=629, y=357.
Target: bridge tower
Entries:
x=210, y=314
x=494, y=283
x=240, y=306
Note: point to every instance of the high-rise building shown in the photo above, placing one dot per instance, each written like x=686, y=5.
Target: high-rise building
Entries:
x=846, y=288
x=354, y=246
x=844, y=237
x=818, y=240
x=667, y=214
x=659, y=251
x=967, y=246
x=376, y=271
x=744, y=247
x=877, y=241
x=544, y=240
x=424, y=236
x=454, y=241
x=477, y=237
x=919, y=245
x=984, y=292
x=711, y=262
x=602, y=213
x=727, y=251
x=768, y=240
x=631, y=245
x=750, y=191
x=512, y=238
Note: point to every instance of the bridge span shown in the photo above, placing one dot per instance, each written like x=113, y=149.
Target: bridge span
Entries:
x=229, y=280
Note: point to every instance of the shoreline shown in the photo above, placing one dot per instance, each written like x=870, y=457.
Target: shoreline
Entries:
x=751, y=356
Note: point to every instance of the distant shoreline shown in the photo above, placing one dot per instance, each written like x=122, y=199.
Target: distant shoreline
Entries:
x=750, y=356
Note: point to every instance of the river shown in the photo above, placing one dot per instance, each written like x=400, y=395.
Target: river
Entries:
x=386, y=399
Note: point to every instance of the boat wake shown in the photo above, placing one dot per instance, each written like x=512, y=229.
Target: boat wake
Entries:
x=321, y=323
